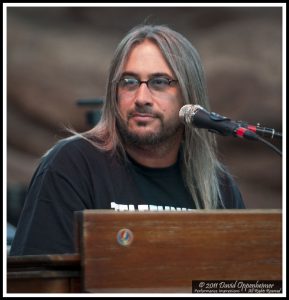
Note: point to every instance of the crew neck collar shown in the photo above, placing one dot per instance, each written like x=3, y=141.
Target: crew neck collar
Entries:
x=150, y=170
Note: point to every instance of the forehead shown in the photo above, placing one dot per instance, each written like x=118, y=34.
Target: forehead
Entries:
x=146, y=58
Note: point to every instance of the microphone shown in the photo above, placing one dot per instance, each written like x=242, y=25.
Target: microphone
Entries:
x=199, y=117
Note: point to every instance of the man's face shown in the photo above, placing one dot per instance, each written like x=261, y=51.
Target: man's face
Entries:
x=150, y=115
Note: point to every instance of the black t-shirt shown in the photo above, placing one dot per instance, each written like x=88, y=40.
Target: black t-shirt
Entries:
x=74, y=175
x=161, y=188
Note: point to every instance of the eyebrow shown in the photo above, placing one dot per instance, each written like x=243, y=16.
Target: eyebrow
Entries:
x=157, y=74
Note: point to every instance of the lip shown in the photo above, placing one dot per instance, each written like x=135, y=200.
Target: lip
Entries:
x=142, y=117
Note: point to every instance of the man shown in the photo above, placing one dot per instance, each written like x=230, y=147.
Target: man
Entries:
x=139, y=156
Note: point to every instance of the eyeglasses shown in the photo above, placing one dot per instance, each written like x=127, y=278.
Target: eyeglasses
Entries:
x=154, y=84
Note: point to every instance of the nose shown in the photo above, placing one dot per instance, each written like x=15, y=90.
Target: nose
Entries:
x=143, y=95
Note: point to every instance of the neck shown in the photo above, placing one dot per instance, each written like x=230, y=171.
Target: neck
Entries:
x=159, y=156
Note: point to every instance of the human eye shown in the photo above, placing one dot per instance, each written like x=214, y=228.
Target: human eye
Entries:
x=128, y=83
x=159, y=83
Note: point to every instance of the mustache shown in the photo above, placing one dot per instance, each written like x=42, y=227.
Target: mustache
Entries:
x=145, y=110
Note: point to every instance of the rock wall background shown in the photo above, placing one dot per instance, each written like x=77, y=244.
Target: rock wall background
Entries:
x=57, y=55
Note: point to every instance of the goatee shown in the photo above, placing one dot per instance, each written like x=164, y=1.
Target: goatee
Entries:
x=165, y=134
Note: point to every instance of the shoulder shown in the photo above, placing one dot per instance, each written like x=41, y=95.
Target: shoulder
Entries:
x=73, y=152
x=66, y=145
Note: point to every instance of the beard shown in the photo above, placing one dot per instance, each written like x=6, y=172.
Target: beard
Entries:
x=165, y=134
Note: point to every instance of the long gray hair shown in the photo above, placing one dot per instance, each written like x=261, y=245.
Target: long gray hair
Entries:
x=200, y=166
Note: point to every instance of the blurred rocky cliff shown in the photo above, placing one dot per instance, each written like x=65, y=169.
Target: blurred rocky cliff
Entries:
x=58, y=55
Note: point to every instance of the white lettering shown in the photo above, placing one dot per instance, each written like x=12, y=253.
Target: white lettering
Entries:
x=145, y=207
x=123, y=207
x=131, y=207
x=153, y=208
